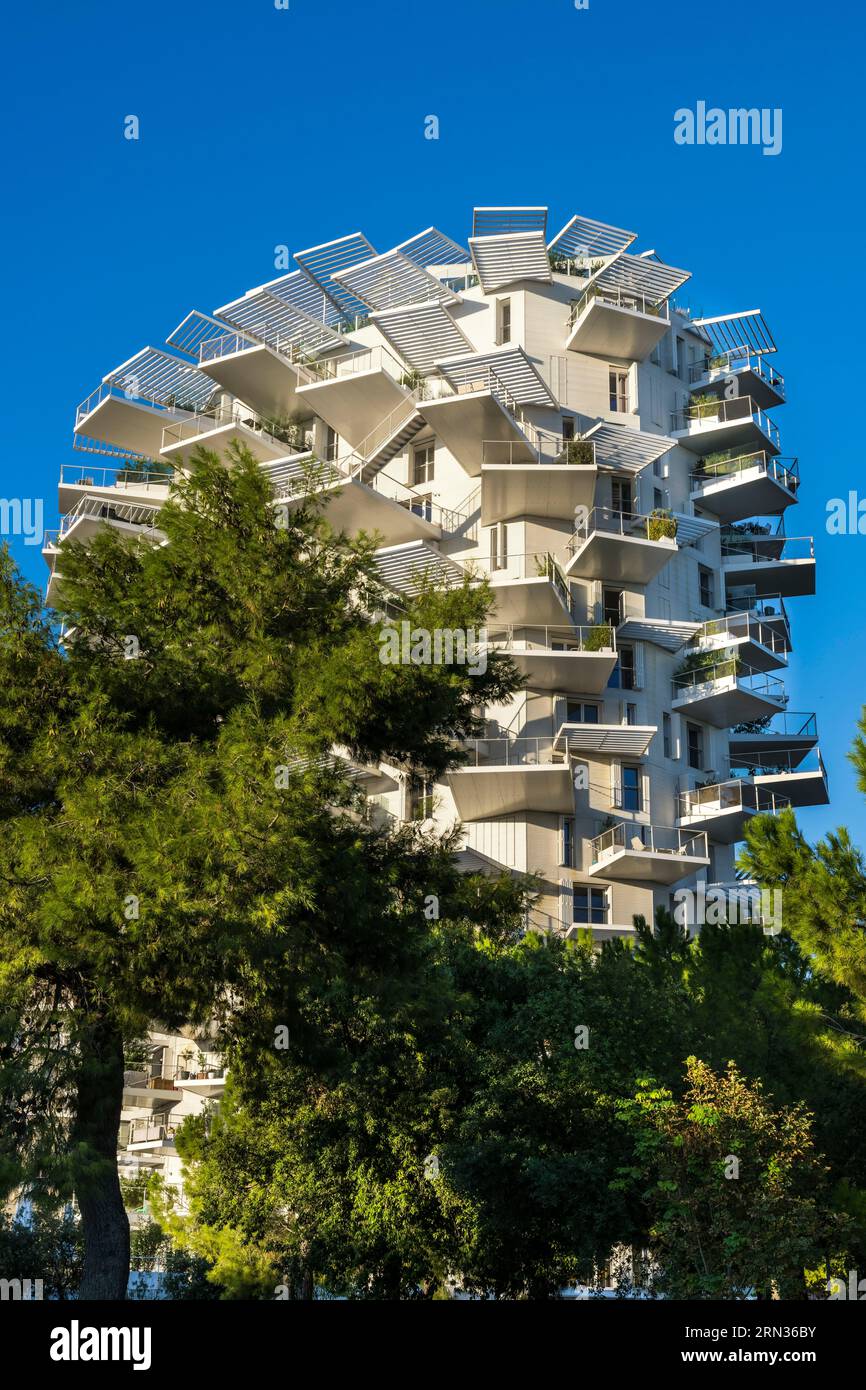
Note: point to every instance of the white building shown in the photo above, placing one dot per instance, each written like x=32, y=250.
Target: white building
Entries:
x=542, y=411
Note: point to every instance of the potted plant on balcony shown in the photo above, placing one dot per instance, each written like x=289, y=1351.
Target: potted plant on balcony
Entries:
x=201, y=1074
x=185, y=1058
x=661, y=525
x=579, y=451
x=599, y=638
x=703, y=405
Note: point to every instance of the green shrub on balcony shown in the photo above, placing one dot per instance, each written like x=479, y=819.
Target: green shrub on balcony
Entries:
x=698, y=663
x=598, y=638
x=703, y=406
x=579, y=451
x=661, y=525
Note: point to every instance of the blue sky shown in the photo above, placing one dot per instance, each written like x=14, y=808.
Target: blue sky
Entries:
x=261, y=127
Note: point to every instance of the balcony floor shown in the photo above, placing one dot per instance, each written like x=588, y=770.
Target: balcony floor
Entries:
x=727, y=704
x=607, y=330
x=620, y=559
x=801, y=788
x=484, y=793
x=131, y=425
x=258, y=376
x=742, y=495
x=724, y=824
x=463, y=421
x=512, y=490
x=219, y=438
x=527, y=602
x=640, y=865
x=546, y=669
x=708, y=435
x=354, y=404
x=789, y=578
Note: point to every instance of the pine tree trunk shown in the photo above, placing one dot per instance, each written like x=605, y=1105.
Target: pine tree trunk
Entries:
x=104, y=1222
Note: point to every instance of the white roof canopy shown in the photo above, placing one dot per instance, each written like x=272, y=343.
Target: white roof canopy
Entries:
x=504, y=221
x=662, y=632
x=160, y=376
x=432, y=247
x=502, y=260
x=194, y=330
x=391, y=280
x=616, y=446
x=511, y=366
x=272, y=320
x=320, y=263
x=747, y=331
x=422, y=334
x=642, y=275
x=584, y=237
x=402, y=568
x=298, y=289
x=631, y=740
x=691, y=529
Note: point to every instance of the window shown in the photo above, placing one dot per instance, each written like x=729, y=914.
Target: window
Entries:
x=621, y=496
x=503, y=321
x=499, y=547
x=682, y=369
x=420, y=799
x=667, y=736
x=618, y=383
x=566, y=853
x=422, y=464
x=706, y=582
x=630, y=789
x=568, y=427
x=658, y=498
x=611, y=604
x=627, y=668
x=422, y=506
x=631, y=714
x=577, y=712
x=589, y=905
x=332, y=442
x=696, y=746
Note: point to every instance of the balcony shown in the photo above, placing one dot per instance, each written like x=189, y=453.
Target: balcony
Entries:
x=144, y=1092
x=790, y=733
x=610, y=322
x=115, y=415
x=562, y=658
x=151, y=1134
x=709, y=423
x=634, y=853
x=724, y=809
x=134, y=483
x=266, y=375
x=529, y=590
x=207, y=1081
x=511, y=776
x=754, y=375
x=354, y=391
x=755, y=645
x=799, y=778
x=769, y=610
x=559, y=478
x=726, y=693
x=621, y=547
x=218, y=430
x=473, y=416
x=768, y=564
x=747, y=485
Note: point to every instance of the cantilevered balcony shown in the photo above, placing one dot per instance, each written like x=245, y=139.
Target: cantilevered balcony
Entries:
x=562, y=658
x=790, y=735
x=769, y=609
x=219, y=429
x=633, y=853
x=111, y=414
x=756, y=645
x=153, y=1134
x=355, y=391
x=800, y=778
x=746, y=485
x=147, y=483
x=752, y=372
x=621, y=547
x=510, y=776
x=714, y=423
x=144, y=1092
x=265, y=375
x=474, y=414
x=724, y=809
x=528, y=589
x=768, y=563
x=726, y=693
x=612, y=322
x=561, y=476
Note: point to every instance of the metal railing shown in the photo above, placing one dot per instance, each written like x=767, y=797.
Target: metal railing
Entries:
x=702, y=682
x=152, y=1131
x=549, y=450
x=182, y=431
x=724, y=412
x=785, y=471
x=111, y=390
x=608, y=520
x=737, y=360
x=619, y=299
x=777, y=764
x=513, y=752
x=347, y=364
x=538, y=564
x=596, y=638
x=133, y=514
x=630, y=835
x=738, y=627
x=767, y=608
x=784, y=724
x=84, y=475
x=289, y=347
x=766, y=549
x=734, y=795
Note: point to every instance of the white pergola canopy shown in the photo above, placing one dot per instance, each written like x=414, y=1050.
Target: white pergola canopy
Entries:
x=582, y=237
x=642, y=275
x=505, y=221
x=618, y=447
x=272, y=320
x=662, y=632
x=321, y=263
x=744, y=332
x=422, y=334
x=432, y=247
x=511, y=367
x=392, y=280
x=402, y=568
x=194, y=330
x=503, y=260
x=160, y=376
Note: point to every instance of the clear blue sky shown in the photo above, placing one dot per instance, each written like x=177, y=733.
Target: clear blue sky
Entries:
x=261, y=126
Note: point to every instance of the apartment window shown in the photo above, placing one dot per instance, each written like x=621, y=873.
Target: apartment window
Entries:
x=422, y=506
x=578, y=712
x=626, y=668
x=621, y=496
x=568, y=427
x=503, y=321
x=618, y=383
x=566, y=852
x=705, y=577
x=667, y=736
x=422, y=464
x=630, y=789
x=682, y=369
x=695, y=746
x=631, y=714
x=420, y=799
x=332, y=442
x=611, y=604
x=589, y=905
x=499, y=546
x=658, y=498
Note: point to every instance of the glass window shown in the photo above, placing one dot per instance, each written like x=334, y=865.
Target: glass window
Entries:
x=618, y=382
x=503, y=321
x=706, y=582
x=667, y=735
x=696, y=746
x=422, y=464
x=589, y=905
x=567, y=847
x=631, y=790
x=576, y=712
